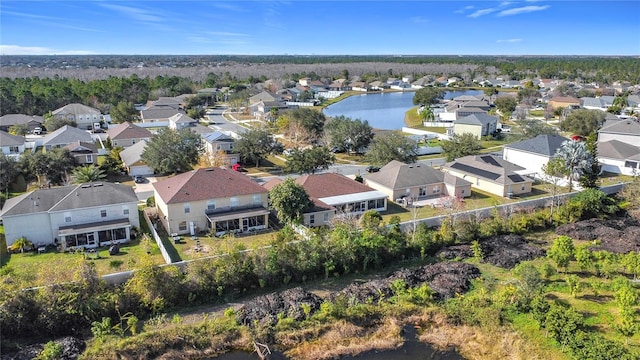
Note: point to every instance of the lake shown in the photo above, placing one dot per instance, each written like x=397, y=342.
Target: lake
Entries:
x=385, y=110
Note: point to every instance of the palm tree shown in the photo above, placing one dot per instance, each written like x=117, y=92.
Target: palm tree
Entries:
x=84, y=174
x=426, y=114
x=576, y=158
x=21, y=244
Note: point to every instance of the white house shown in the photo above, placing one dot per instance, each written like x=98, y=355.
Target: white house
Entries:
x=619, y=158
x=532, y=154
x=11, y=145
x=132, y=159
x=87, y=215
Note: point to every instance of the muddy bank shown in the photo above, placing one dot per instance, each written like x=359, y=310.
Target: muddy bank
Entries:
x=619, y=235
x=70, y=348
x=445, y=278
x=505, y=251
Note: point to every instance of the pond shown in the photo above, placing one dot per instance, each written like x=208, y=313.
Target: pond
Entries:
x=383, y=110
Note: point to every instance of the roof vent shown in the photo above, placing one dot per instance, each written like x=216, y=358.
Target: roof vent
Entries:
x=97, y=184
x=86, y=186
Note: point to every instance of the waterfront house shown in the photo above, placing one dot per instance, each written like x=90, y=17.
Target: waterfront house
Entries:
x=478, y=124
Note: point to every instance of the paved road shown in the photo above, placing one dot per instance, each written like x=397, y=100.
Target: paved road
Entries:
x=219, y=122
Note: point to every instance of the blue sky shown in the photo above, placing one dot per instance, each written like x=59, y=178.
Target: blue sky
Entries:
x=299, y=27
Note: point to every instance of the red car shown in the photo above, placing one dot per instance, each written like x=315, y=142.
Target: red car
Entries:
x=577, y=138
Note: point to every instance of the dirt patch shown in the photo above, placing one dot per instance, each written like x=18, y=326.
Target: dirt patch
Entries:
x=446, y=279
x=619, y=235
x=505, y=251
x=265, y=309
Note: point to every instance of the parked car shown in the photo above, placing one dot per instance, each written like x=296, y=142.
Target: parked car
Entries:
x=37, y=131
x=372, y=169
x=138, y=179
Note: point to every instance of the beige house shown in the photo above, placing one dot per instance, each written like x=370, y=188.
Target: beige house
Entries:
x=563, y=102
x=84, y=116
x=215, y=200
x=491, y=174
x=416, y=181
x=478, y=124
x=127, y=134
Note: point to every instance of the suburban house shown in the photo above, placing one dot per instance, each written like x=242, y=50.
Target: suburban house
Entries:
x=132, y=159
x=167, y=101
x=491, y=174
x=83, y=115
x=626, y=131
x=335, y=195
x=127, y=134
x=218, y=200
x=619, y=147
x=65, y=136
x=11, y=145
x=180, y=121
x=31, y=122
x=218, y=143
x=601, y=103
x=158, y=114
x=264, y=96
x=479, y=124
x=86, y=215
x=563, y=102
x=416, y=182
x=532, y=154
x=84, y=152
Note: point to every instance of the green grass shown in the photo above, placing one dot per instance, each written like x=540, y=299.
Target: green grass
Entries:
x=537, y=113
x=211, y=246
x=54, y=266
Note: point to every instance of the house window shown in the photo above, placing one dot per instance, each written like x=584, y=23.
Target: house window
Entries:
x=187, y=208
x=522, y=187
x=211, y=205
x=257, y=199
x=326, y=217
x=312, y=219
x=67, y=217
x=133, y=141
x=182, y=226
x=631, y=164
x=13, y=150
x=89, y=158
x=436, y=189
x=233, y=202
x=103, y=213
x=115, y=143
x=462, y=192
x=125, y=211
x=423, y=191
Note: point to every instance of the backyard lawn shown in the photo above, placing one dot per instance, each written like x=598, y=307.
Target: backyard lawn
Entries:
x=54, y=267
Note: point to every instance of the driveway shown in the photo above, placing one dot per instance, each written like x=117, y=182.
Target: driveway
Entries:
x=145, y=190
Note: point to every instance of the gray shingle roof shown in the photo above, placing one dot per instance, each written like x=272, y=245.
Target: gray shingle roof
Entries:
x=478, y=119
x=69, y=198
x=66, y=135
x=398, y=175
x=75, y=109
x=621, y=127
x=133, y=153
x=489, y=167
x=618, y=150
x=162, y=112
x=546, y=145
x=7, y=139
x=18, y=119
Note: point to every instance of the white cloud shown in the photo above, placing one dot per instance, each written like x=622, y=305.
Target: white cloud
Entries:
x=482, y=12
x=522, y=10
x=509, y=41
x=139, y=14
x=464, y=9
x=39, y=50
